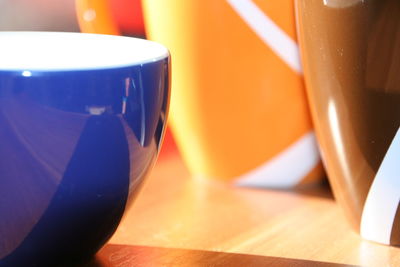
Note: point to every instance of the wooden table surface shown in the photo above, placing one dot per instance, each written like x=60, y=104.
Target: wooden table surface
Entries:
x=178, y=220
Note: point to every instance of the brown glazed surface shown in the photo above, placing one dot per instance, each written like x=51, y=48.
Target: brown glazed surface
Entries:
x=351, y=57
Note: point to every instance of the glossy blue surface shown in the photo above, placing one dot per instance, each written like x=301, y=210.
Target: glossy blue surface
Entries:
x=75, y=146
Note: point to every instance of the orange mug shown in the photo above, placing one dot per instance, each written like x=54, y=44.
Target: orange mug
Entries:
x=238, y=109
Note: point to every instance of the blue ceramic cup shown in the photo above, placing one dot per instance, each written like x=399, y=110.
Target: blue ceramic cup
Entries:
x=82, y=117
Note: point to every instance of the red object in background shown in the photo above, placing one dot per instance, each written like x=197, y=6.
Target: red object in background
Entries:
x=169, y=145
x=128, y=16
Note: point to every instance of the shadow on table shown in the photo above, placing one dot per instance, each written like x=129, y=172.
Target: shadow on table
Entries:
x=319, y=190
x=129, y=256
x=322, y=190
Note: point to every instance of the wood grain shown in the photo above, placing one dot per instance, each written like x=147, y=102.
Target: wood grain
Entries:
x=178, y=220
x=127, y=256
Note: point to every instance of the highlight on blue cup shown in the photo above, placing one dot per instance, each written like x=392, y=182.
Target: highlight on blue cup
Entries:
x=82, y=117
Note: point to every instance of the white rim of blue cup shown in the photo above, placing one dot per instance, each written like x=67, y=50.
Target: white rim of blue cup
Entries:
x=63, y=51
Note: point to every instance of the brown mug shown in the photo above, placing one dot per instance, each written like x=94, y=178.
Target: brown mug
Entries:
x=351, y=57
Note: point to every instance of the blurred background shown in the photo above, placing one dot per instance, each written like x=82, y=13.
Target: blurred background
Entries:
x=60, y=15
x=45, y=15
